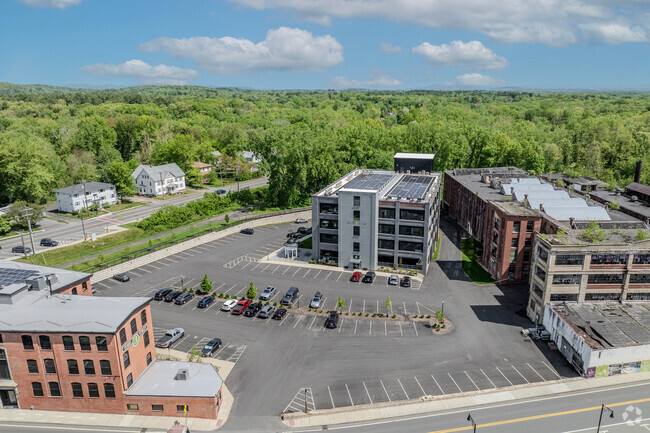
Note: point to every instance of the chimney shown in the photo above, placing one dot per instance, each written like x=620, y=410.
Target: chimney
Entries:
x=525, y=197
x=572, y=222
x=541, y=207
x=512, y=190
x=637, y=172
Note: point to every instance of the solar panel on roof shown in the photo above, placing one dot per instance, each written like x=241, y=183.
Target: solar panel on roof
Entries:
x=15, y=276
x=411, y=187
x=371, y=182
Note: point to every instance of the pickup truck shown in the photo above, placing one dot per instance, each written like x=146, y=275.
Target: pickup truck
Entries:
x=170, y=337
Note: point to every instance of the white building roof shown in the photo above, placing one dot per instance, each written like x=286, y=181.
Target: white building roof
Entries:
x=162, y=379
x=508, y=188
x=155, y=171
x=589, y=213
x=91, y=187
x=535, y=201
x=415, y=155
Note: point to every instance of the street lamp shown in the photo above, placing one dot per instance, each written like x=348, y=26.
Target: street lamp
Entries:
x=611, y=415
x=182, y=282
x=469, y=418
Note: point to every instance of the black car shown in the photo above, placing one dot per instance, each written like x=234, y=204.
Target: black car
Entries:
x=204, y=302
x=161, y=294
x=21, y=250
x=304, y=230
x=252, y=309
x=221, y=191
x=180, y=300
x=121, y=277
x=332, y=320
x=47, y=242
x=406, y=282
x=171, y=296
x=211, y=347
x=246, y=231
x=279, y=313
x=369, y=277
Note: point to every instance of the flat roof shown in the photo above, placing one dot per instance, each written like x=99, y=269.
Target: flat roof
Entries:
x=37, y=311
x=622, y=199
x=161, y=379
x=12, y=272
x=415, y=155
x=369, y=181
x=411, y=187
x=609, y=324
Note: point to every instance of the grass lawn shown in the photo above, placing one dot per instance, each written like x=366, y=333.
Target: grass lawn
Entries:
x=306, y=243
x=173, y=196
x=123, y=206
x=82, y=214
x=471, y=267
x=437, y=252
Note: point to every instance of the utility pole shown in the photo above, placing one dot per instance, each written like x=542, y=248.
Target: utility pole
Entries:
x=83, y=183
x=83, y=227
x=162, y=185
x=27, y=212
x=23, y=241
x=237, y=173
x=306, y=407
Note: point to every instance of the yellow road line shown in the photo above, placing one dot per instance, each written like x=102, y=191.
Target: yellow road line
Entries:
x=546, y=415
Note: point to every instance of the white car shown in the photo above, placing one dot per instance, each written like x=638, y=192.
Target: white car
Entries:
x=301, y=221
x=393, y=280
x=228, y=305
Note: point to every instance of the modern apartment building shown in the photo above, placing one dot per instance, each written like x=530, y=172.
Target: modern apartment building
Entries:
x=84, y=195
x=159, y=179
x=372, y=218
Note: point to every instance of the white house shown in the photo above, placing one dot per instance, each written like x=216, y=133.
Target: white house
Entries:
x=159, y=179
x=77, y=197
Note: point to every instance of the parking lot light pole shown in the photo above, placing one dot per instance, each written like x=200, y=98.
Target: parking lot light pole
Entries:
x=469, y=418
x=182, y=282
x=611, y=415
x=442, y=310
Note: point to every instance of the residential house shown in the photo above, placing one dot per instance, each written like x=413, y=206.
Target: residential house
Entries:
x=77, y=197
x=159, y=179
x=204, y=170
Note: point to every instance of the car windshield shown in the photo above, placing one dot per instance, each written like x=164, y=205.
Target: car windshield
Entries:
x=208, y=346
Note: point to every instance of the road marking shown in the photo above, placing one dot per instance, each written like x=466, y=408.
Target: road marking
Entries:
x=283, y=319
x=486, y=376
x=232, y=287
x=350, y=306
x=364, y=307
x=404, y=304
x=385, y=328
x=382, y=385
x=438, y=385
x=452, y=379
x=245, y=266
x=504, y=376
x=477, y=388
x=330, y=391
x=416, y=379
x=367, y=393
x=143, y=270
x=256, y=266
x=340, y=273
x=288, y=267
x=273, y=271
x=520, y=373
x=318, y=273
x=370, y=331
x=308, y=271
x=400, y=328
x=223, y=346
x=377, y=307
x=238, y=353
x=554, y=372
x=265, y=268
x=328, y=275
x=415, y=328
x=135, y=273
x=341, y=325
x=417, y=305
x=155, y=267
x=540, y=376
x=349, y=395
x=178, y=343
x=355, y=326
x=312, y=322
x=298, y=321
x=403, y=390
x=294, y=274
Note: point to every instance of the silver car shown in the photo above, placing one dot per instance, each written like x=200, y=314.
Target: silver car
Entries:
x=268, y=293
x=318, y=299
x=393, y=280
x=266, y=312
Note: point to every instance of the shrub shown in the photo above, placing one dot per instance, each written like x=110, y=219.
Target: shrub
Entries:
x=267, y=303
x=320, y=311
x=275, y=304
x=374, y=314
x=428, y=316
x=443, y=326
x=289, y=307
x=394, y=316
x=367, y=314
x=615, y=206
x=309, y=309
x=347, y=313
x=220, y=295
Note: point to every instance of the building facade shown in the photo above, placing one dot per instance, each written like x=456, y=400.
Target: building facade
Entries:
x=159, y=180
x=75, y=198
x=204, y=170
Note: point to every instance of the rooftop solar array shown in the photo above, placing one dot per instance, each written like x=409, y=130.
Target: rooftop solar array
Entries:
x=10, y=276
x=411, y=187
x=370, y=182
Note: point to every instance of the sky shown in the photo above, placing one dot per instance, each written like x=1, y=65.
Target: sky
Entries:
x=328, y=44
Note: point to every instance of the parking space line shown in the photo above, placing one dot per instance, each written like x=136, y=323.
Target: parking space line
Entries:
x=504, y=376
x=253, y=268
x=143, y=270
x=356, y=322
x=400, y=328
x=415, y=328
x=328, y=275
x=273, y=271
x=554, y=372
x=349, y=395
x=377, y=306
x=232, y=287
x=382, y=385
x=318, y=273
x=135, y=273
x=178, y=343
x=417, y=305
x=340, y=273
x=452, y=379
x=520, y=373
x=400, y=384
x=418, y=382
x=364, y=307
x=341, y=325
x=330, y=391
x=385, y=328
x=240, y=291
x=103, y=285
x=438, y=385
x=266, y=267
x=220, y=350
x=312, y=322
x=367, y=393
x=308, y=271
x=404, y=304
x=477, y=388
x=486, y=376
x=298, y=321
x=245, y=266
x=294, y=274
x=283, y=320
x=370, y=331
x=540, y=376
x=350, y=306
x=155, y=267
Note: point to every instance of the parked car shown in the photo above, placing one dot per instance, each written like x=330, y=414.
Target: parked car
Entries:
x=356, y=276
x=290, y=296
x=122, y=277
x=171, y=296
x=240, y=307
x=406, y=282
x=247, y=231
x=318, y=299
x=266, y=312
x=228, y=305
x=301, y=221
x=48, y=242
x=253, y=309
x=221, y=191
x=304, y=231
x=333, y=320
x=279, y=313
x=393, y=280
x=204, y=302
x=211, y=347
x=369, y=277
x=161, y=294
x=21, y=250
x=268, y=293
x=170, y=337
x=181, y=299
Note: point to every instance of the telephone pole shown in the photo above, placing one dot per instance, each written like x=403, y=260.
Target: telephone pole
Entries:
x=83, y=184
x=23, y=241
x=28, y=212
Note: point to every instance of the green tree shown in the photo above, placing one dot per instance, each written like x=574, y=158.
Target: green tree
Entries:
x=119, y=174
x=206, y=284
x=440, y=317
x=340, y=303
x=94, y=134
x=17, y=215
x=389, y=305
x=5, y=225
x=226, y=218
x=252, y=292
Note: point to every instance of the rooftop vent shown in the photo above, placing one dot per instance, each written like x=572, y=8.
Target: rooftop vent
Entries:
x=182, y=374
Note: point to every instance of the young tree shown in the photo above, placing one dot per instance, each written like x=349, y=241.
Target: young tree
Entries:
x=389, y=304
x=5, y=225
x=252, y=292
x=340, y=303
x=226, y=218
x=440, y=317
x=119, y=174
x=206, y=284
x=16, y=213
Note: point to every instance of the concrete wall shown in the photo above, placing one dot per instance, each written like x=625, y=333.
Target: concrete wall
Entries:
x=367, y=224
x=197, y=407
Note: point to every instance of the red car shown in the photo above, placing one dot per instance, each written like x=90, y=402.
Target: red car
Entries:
x=355, y=277
x=240, y=307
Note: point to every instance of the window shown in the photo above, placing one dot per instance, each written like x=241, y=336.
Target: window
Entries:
x=638, y=297
x=73, y=367
x=32, y=366
x=37, y=388
x=157, y=407
x=4, y=366
x=329, y=208
x=514, y=242
x=122, y=336
x=134, y=327
x=145, y=338
x=105, y=366
x=386, y=244
x=496, y=223
x=641, y=259
x=560, y=297
x=84, y=286
x=540, y=273
x=516, y=227
x=126, y=359
x=415, y=247
x=44, y=341
x=89, y=366
x=84, y=343
x=55, y=390
x=355, y=247
x=356, y=230
x=388, y=229
x=109, y=390
x=77, y=390
x=1, y=339
x=603, y=297
x=143, y=317
x=526, y=256
x=411, y=231
x=537, y=291
x=567, y=279
x=513, y=256
x=74, y=291
x=102, y=346
x=528, y=242
x=530, y=225
x=386, y=212
x=132, y=406
x=569, y=259
x=148, y=358
x=68, y=343
x=609, y=259
x=50, y=366
x=410, y=214
x=182, y=408
x=542, y=254
x=356, y=215
x=605, y=279
x=28, y=344
x=329, y=224
x=329, y=239
x=356, y=201
x=93, y=390
x=129, y=380
x=640, y=278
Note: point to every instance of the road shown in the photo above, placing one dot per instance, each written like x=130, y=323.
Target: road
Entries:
x=71, y=230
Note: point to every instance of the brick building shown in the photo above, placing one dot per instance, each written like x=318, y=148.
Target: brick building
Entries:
x=60, y=281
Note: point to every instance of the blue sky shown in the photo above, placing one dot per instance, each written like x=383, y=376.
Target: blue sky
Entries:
x=321, y=44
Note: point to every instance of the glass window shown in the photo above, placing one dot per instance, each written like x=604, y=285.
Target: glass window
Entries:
x=50, y=366
x=603, y=297
x=540, y=273
x=514, y=242
x=4, y=366
x=129, y=380
x=32, y=366
x=386, y=244
x=542, y=254
x=134, y=327
x=93, y=390
x=55, y=390
x=148, y=358
x=89, y=366
x=143, y=317
x=526, y=256
x=640, y=278
x=132, y=406
x=182, y=408
x=641, y=259
x=28, y=344
x=528, y=242
x=356, y=215
x=329, y=239
x=355, y=247
x=513, y=256
x=84, y=343
x=411, y=231
x=101, y=343
x=538, y=291
x=411, y=214
x=356, y=230
x=145, y=338
x=122, y=336
x=37, y=388
x=415, y=247
x=329, y=224
x=105, y=366
x=516, y=227
x=609, y=259
x=77, y=390
x=388, y=229
x=569, y=259
x=356, y=201
x=530, y=225
x=559, y=297
x=68, y=343
x=126, y=359
x=638, y=297
x=74, y=291
x=1, y=338
x=567, y=279
x=44, y=341
x=73, y=367
x=109, y=390
x=387, y=212
x=605, y=279
x=329, y=208
x=156, y=407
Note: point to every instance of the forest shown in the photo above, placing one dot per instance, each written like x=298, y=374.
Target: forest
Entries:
x=54, y=137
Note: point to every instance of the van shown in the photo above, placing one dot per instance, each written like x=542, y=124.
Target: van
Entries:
x=291, y=296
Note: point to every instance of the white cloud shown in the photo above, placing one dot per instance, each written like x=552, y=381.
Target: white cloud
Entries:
x=472, y=55
x=283, y=49
x=144, y=72
x=57, y=4
x=377, y=79
x=475, y=79
x=550, y=22
x=390, y=48
x=611, y=33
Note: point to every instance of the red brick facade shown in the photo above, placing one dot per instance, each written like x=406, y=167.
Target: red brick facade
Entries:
x=78, y=288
